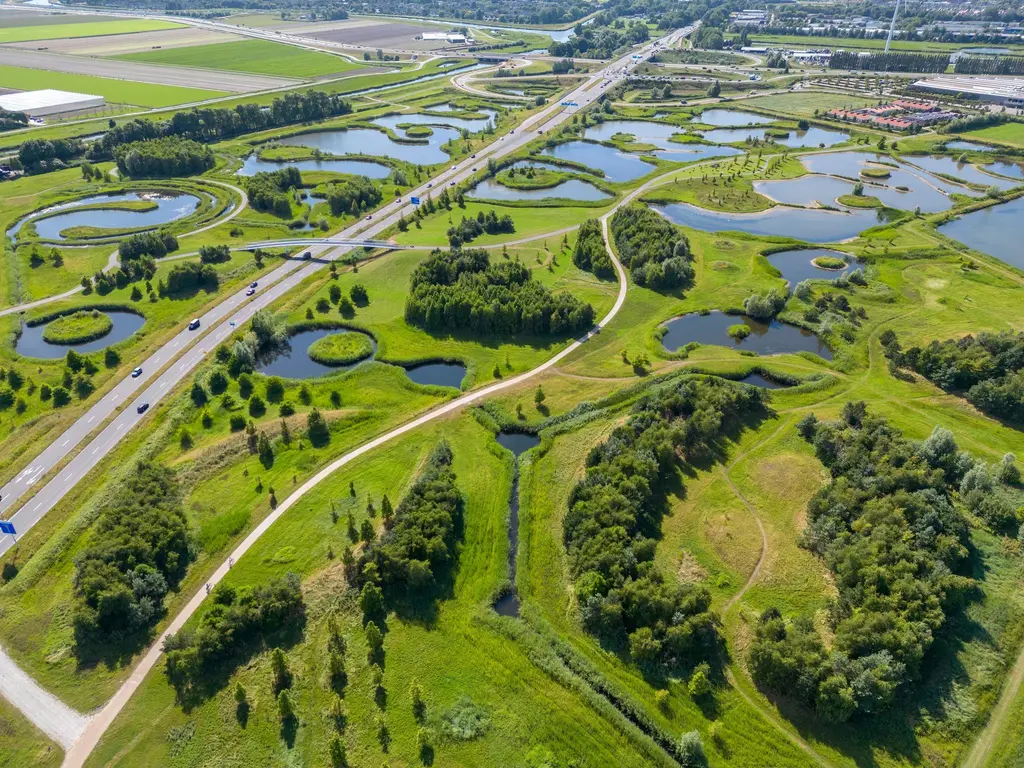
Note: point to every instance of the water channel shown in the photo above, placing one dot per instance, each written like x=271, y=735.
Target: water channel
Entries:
x=616, y=165
x=32, y=344
x=570, y=189
x=766, y=338
x=518, y=443
x=367, y=141
x=809, y=224
x=994, y=230
x=169, y=207
x=812, y=137
x=371, y=170
x=964, y=171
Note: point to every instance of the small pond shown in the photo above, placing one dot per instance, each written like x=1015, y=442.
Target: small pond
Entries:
x=757, y=380
x=169, y=207
x=658, y=134
x=731, y=118
x=812, y=137
x=968, y=146
x=518, y=443
x=616, y=165
x=571, y=189
x=32, y=344
x=471, y=124
x=1006, y=168
x=994, y=230
x=810, y=225
x=292, y=360
x=437, y=374
x=367, y=141
x=797, y=265
x=772, y=338
x=965, y=171
x=986, y=51
x=254, y=165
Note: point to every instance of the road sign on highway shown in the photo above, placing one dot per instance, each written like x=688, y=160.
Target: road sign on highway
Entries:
x=7, y=527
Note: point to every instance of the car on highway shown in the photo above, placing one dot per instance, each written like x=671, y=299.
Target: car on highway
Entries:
x=142, y=408
x=451, y=183
x=136, y=373
x=250, y=291
x=307, y=256
x=253, y=284
x=193, y=324
x=472, y=156
x=369, y=217
x=430, y=184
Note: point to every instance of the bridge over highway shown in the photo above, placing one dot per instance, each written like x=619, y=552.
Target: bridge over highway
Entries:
x=306, y=243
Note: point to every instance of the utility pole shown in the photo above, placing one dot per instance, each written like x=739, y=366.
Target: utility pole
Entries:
x=892, y=26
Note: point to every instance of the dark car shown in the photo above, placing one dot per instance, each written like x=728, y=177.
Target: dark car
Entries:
x=136, y=373
x=142, y=408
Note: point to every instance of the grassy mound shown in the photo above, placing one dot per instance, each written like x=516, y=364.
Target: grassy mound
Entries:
x=77, y=328
x=875, y=173
x=739, y=331
x=341, y=348
x=829, y=262
x=859, y=201
x=419, y=131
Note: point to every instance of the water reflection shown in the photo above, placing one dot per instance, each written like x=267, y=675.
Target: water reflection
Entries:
x=292, y=361
x=254, y=165
x=32, y=344
x=437, y=374
x=811, y=225
x=771, y=338
x=616, y=165
x=170, y=206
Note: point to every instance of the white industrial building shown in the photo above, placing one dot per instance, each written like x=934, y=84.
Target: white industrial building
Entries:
x=452, y=38
x=1008, y=91
x=49, y=102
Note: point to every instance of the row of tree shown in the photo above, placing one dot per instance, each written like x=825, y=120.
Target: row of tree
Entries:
x=615, y=514
x=167, y=156
x=989, y=65
x=139, y=550
x=460, y=290
x=888, y=529
x=152, y=244
x=988, y=368
x=897, y=61
x=656, y=253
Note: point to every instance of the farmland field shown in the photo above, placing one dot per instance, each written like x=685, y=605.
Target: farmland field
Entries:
x=257, y=56
x=84, y=29
x=115, y=91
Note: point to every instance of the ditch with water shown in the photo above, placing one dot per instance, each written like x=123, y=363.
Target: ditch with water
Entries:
x=31, y=343
x=766, y=338
x=517, y=443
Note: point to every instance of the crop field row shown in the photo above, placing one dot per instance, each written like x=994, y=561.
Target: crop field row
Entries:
x=17, y=34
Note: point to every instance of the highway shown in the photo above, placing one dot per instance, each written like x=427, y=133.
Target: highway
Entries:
x=116, y=412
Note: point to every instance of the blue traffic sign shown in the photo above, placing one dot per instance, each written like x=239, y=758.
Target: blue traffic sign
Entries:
x=7, y=527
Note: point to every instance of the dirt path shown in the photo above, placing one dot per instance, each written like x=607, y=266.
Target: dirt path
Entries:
x=978, y=756
x=48, y=713
x=764, y=541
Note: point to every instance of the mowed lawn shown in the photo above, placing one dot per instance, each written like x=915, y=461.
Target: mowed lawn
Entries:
x=85, y=29
x=114, y=91
x=805, y=104
x=262, y=57
x=1007, y=133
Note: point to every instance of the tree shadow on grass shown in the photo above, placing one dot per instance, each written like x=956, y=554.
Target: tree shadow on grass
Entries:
x=289, y=729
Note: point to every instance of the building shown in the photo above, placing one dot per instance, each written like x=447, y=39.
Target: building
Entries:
x=453, y=38
x=49, y=102
x=1008, y=91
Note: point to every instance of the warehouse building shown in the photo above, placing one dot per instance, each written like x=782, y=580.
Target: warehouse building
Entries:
x=49, y=102
x=1008, y=91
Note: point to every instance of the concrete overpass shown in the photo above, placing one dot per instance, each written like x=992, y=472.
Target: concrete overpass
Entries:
x=306, y=243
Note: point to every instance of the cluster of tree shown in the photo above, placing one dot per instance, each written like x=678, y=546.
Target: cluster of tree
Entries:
x=418, y=551
x=10, y=121
x=460, y=290
x=189, y=276
x=216, y=124
x=988, y=368
x=657, y=254
x=268, y=190
x=562, y=66
x=131, y=271
x=42, y=155
x=153, y=244
x=214, y=254
x=590, y=252
x=615, y=513
x=167, y=156
x=887, y=528
x=139, y=550
x=777, y=61
x=897, y=61
x=595, y=41
x=972, y=122
x=353, y=197
x=237, y=621
x=470, y=229
x=989, y=65
x=267, y=332
x=766, y=306
x=709, y=38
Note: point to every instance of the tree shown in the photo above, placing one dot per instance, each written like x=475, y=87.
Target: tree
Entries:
x=285, y=708
x=316, y=428
x=371, y=599
x=699, y=684
x=715, y=90
x=374, y=640
x=338, y=755
x=419, y=706
x=538, y=396
x=690, y=750
x=198, y=394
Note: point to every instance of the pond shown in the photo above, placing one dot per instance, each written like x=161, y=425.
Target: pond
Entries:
x=964, y=171
x=169, y=207
x=757, y=380
x=571, y=189
x=616, y=165
x=798, y=265
x=471, y=124
x=292, y=360
x=812, y=137
x=1006, y=168
x=810, y=225
x=367, y=141
x=771, y=338
x=658, y=134
x=987, y=51
x=807, y=190
x=731, y=118
x=968, y=146
x=437, y=374
x=994, y=230
x=32, y=344
x=254, y=165
x=518, y=443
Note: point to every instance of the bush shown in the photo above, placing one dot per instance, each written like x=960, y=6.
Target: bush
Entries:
x=154, y=244
x=214, y=254
x=690, y=751
x=764, y=307
x=168, y=156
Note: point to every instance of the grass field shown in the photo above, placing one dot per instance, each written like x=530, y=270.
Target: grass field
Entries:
x=1007, y=133
x=84, y=29
x=114, y=91
x=805, y=104
x=262, y=57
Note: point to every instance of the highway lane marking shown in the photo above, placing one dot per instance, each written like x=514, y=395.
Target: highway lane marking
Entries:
x=65, y=442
